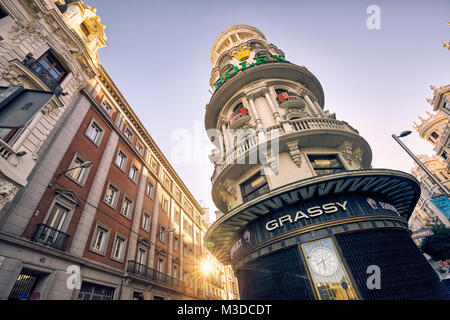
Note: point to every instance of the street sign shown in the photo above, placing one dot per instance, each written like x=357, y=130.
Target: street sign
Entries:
x=19, y=105
x=443, y=204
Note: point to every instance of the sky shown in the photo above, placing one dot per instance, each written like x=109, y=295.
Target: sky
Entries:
x=377, y=80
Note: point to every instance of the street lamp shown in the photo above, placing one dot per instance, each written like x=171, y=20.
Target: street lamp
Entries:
x=421, y=165
x=84, y=165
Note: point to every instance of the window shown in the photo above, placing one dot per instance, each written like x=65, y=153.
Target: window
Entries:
x=109, y=110
x=100, y=239
x=7, y=135
x=84, y=29
x=165, y=204
x=139, y=148
x=154, y=165
x=146, y=222
x=133, y=175
x=435, y=135
x=175, y=273
x=52, y=65
x=3, y=13
x=161, y=265
x=175, y=243
x=90, y=291
x=254, y=187
x=119, y=248
x=185, y=250
x=111, y=195
x=57, y=217
x=129, y=134
x=162, y=234
x=142, y=256
x=77, y=173
x=94, y=132
x=178, y=194
x=149, y=189
x=326, y=163
x=127, y=207
x=121, y=160
x=444, y=155
x=176, y=215
x=167, y=180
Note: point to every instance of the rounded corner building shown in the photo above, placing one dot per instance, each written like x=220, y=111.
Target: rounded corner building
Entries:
x=304, y=214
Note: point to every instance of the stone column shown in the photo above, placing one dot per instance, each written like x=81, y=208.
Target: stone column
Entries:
x=170, y=236
x=275, y=113
x=154, y=230
x=255, y=112
x=225, y=134
x=95, y=194
x=137, y=215
x=317, y=110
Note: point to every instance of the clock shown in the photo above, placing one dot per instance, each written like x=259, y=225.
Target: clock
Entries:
x=323, y=261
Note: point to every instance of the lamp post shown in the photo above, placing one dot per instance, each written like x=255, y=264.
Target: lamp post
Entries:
x=421, y=165
x=84, y=165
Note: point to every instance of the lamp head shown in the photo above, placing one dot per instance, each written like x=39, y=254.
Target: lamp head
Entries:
x=86, y=164
x=404, y=134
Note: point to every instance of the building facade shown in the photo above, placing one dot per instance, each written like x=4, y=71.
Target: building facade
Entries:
x=99, y=212
x=426, y=212
x=304, y=214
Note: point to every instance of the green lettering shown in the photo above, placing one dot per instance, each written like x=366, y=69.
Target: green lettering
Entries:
x=261, y=59
x=243, y=65
x=279, y=58
x=219, y=82
x=228, y=75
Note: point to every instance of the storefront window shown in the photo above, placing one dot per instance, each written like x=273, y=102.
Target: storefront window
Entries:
x=330, y=279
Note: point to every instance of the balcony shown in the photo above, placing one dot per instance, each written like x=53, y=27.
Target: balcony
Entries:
x=51, y=237
x=39, y=70
x=238, y=118
x=136, y=268
x=298, y=126
x=290, y=100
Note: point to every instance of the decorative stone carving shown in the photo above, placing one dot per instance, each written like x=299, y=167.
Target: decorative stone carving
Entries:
x=7, y=192
x=272, y=162
x=13, y=76
x=346, y=150
x=229, y=186
x=357, y=157
x=294, y=152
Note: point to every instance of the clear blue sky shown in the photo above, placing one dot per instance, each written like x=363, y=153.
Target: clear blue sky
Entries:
x=377, y=80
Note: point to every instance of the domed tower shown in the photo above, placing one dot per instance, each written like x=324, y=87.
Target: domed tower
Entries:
x=304, y=215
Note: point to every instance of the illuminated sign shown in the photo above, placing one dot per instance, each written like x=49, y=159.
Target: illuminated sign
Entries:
x=244, y=240
x=315, y=211
x=243, y=66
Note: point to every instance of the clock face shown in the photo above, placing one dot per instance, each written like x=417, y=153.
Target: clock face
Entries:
x=323, y=261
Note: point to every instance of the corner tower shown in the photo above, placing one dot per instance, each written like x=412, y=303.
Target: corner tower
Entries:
x=304, y=215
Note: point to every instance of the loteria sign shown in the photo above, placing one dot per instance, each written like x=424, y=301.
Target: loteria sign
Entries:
x=242, y=55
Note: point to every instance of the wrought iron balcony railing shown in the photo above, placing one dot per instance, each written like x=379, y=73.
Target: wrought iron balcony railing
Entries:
x=50, y=237
x=38, y=69
x=154, y=275
x=238, y=117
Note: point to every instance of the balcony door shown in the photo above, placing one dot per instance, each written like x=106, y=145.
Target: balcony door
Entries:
x=54, y=223
x=52, y=65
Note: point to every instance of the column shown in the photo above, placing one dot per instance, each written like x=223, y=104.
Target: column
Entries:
x=137, y=215
x=255, y=112
x=90, y=209
x=275, y=113
x=319, y=108
x=154, y=230
x=313, y=107
x=226, y=135
x=170, y=236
